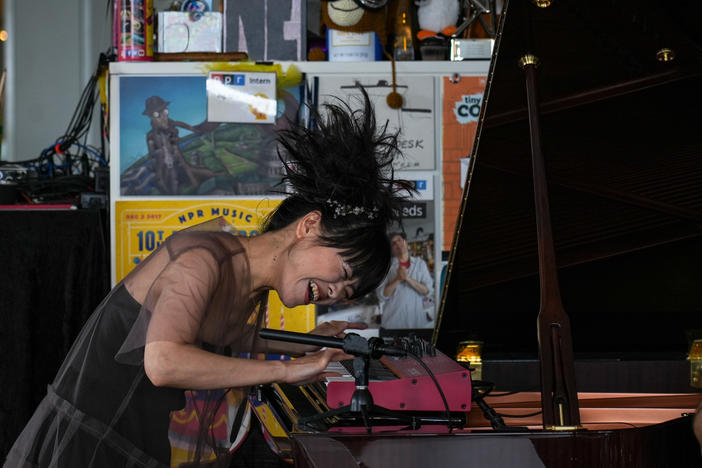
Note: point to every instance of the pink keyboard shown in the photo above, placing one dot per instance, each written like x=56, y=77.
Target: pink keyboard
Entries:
x=409, y=387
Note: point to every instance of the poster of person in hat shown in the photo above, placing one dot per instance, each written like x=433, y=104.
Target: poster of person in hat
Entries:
x=168, y=163
x=167, y=146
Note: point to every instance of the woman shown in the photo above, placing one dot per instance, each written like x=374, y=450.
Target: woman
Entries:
x=177, y=320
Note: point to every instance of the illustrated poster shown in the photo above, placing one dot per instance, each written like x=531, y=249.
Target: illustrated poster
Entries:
x=168, y=147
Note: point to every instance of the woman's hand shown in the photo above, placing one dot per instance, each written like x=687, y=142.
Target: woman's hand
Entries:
x=336, y=328
x=333, y=328
x=312, y=368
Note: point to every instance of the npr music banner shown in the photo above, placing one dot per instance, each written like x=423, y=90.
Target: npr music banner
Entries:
x=141, y=226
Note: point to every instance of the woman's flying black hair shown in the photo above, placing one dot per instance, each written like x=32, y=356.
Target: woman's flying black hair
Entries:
x=342, y=167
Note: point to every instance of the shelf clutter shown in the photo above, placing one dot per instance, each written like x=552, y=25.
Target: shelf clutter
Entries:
x=307, y=30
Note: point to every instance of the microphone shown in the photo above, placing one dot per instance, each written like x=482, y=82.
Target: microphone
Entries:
x=352, y=343
x=379, y=347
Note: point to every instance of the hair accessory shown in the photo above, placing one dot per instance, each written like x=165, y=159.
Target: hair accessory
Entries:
x=341, y=210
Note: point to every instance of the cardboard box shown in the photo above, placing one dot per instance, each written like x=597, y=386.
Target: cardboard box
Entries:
x=185, y=32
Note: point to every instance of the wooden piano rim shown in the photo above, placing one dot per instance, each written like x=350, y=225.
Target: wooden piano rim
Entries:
x=598, y=411
x=591, y=399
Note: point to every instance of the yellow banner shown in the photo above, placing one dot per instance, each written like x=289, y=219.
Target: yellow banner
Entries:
x=141, y=226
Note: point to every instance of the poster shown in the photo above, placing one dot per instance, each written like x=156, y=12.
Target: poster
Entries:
x=418, y=216
x=462, y=101
x=169, y=147
x=414, y=120
x=418, y=222
x=141, y=226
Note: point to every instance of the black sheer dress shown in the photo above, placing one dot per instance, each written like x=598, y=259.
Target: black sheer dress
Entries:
x=102, y=410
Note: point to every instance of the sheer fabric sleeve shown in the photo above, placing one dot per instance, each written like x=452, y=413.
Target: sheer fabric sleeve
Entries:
x=179, y=298
x=183, y=294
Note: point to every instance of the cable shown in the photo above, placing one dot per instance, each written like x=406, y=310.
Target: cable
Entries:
x=481, y=389
x=63, y=169
x=46, y=165
x=519, y=415
x=93, y=151
x=436, y=383
x=503, y=393
x=623, y=423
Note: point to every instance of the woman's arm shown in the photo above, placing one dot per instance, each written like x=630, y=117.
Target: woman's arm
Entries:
x=186, y=366
x=179, y=298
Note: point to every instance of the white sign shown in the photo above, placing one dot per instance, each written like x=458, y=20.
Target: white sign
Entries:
x=468, y=108
x=245, y=97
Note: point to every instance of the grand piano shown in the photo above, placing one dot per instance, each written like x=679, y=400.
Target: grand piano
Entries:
x=577, y=254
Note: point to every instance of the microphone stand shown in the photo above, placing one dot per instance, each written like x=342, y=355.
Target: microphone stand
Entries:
x=361, y=403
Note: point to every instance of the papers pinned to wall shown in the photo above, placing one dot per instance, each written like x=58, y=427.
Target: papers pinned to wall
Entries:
x=415, y=119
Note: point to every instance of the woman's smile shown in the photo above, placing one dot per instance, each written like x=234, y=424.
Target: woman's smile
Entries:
x=313, y=293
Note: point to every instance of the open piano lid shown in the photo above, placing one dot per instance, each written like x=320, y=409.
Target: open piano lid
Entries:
x=622, y=140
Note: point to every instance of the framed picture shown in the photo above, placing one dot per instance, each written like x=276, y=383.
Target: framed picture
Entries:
x=168, y=147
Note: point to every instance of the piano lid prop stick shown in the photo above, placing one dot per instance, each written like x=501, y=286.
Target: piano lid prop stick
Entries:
x=558, y=392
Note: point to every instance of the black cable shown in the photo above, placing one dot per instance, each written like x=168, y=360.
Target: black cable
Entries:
x=623, y=423
x=76, y=132
x=438, y=387
x=502, y=394
x=83, y=114
x=482, y=389
x=520, y=415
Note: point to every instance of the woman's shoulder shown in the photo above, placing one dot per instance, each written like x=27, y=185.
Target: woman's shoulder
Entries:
x=221, y=244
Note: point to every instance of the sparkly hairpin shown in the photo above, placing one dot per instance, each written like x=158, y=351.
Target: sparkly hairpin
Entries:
x=341, y=210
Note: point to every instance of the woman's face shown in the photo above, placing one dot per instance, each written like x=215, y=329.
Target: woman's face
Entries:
x=314, y=274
